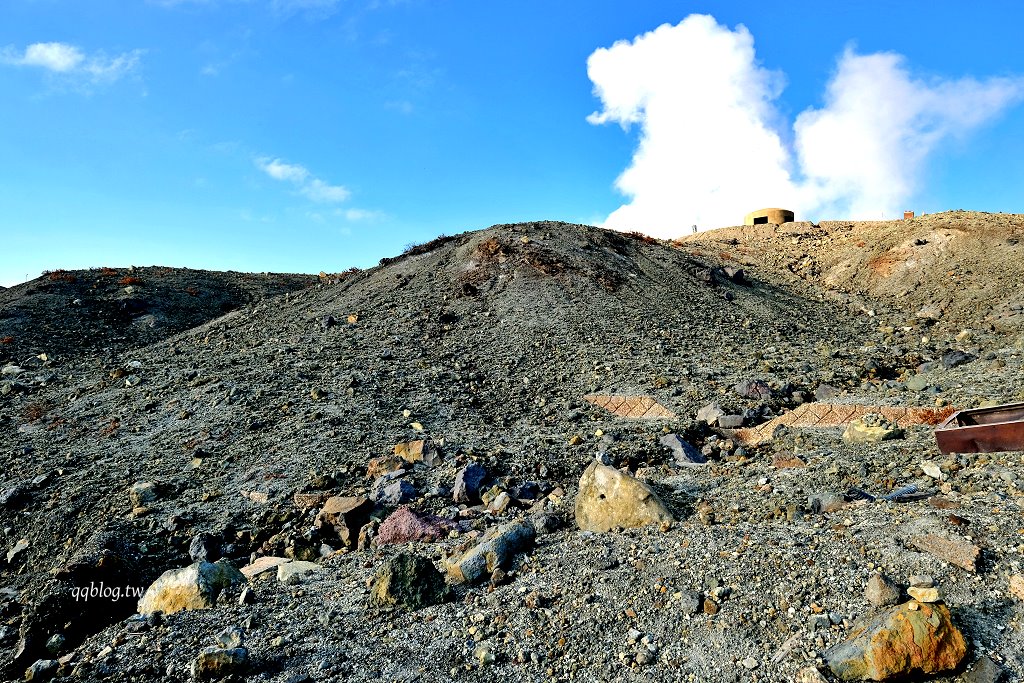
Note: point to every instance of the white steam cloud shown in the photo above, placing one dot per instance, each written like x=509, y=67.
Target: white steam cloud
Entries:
x=713, y=146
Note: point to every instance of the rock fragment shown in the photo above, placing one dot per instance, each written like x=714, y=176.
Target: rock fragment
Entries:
x=468, y=482
x=204, y=547
x=753, y=389
x=142, y=493
x=881, y=591
x=420, y=451
x=983, y=671
x=214, y=663
x=405, y=526
x=1017, y=586
x=899, y=641
x=609, y=499
x=194, y=587
x=710, y=413
x=396, y=493
x=956, y=552
x=496, y=550
x=42, y=670
x=683, y=452
x=291, y=573
x=871, y=428
x=344, y=516
x=410, y=582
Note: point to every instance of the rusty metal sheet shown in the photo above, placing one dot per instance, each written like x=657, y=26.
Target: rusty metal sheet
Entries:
x=633, y=407
x=838, y=414
x=983, y=430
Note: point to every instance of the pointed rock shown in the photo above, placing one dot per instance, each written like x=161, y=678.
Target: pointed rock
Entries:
x=609, y=499
x=881, y=591
x=899, y=641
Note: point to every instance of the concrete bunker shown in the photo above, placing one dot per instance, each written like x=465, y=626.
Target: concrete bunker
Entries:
x=765, y=216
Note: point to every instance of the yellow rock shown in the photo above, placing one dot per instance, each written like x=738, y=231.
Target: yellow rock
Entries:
x=194, y=587
x=609, y=499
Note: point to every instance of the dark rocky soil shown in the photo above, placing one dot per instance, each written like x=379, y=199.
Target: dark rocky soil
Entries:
x=232, y=400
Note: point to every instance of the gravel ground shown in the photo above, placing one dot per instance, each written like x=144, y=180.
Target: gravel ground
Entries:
x=485, y=344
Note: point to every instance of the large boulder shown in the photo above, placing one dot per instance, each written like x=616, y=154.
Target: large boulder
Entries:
x=194, y=587
x=408, y=581
x=897, y=642
x=609, y=499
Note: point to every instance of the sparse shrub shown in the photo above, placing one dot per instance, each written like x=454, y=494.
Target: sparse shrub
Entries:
x=192, y=291
x=111, y=428
x=35, y=412
x=59, y=275
x=130, y=280
x=6, y=340
x=640, y=237
x=108, y=272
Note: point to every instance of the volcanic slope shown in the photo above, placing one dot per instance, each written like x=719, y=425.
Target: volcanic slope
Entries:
x=75, y=312
x=955, y=269
x=485, y=344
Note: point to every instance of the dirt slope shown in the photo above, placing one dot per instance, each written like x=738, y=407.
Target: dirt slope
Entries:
x=74, y=312
x=485, y=344
x=960, y=268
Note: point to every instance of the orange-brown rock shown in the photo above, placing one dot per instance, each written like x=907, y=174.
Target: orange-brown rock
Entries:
x=345, y=516
x=413, y=452
x=378, y=467
x=899, y=641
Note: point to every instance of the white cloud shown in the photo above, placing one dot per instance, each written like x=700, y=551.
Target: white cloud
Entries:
x=312, y=188
x=319, y=191
x=279, y=170
x=711, y=144
x=864, y=151
x=62, y=58
x=53, y=56
x=356, y=215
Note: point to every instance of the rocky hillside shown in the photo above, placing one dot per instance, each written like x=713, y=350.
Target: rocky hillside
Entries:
x=955, y=269
x=345, y=442
x=110, y=310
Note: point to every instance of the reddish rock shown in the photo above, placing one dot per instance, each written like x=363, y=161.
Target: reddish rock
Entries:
x=955, y=551
x=344, y=516
x=405, y=526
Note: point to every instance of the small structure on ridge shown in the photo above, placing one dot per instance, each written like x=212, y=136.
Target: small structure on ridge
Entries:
x=765, y=216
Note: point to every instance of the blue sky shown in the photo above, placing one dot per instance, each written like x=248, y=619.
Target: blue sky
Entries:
x=308, y=135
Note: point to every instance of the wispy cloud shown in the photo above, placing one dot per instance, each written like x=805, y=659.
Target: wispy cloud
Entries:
x=359, y=215
x=319, y=191
x=71, y=62
x=314, y=8
x=309, y=186
x=713, y=145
